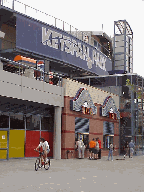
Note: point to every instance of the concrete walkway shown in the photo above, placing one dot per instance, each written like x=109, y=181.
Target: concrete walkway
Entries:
x=73, y=175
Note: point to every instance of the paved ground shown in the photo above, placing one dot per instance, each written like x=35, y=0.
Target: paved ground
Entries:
x=73, y=175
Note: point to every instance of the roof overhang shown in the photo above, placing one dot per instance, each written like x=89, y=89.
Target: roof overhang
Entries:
x=102, y=34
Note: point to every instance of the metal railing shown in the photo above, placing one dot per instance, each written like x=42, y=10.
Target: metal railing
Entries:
x=51, y=20
x=31, y=72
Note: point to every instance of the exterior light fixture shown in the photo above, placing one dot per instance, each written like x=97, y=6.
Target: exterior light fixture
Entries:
x=2, y=35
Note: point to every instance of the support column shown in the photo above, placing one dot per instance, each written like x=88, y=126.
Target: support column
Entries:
x=57, y=133
x=2, y=34
x=1, y=65
x=47, y=63
x=40, y=126
x=8, y=136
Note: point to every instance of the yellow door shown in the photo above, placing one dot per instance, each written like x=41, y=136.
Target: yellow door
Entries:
x=16, y=143
x=3, y=144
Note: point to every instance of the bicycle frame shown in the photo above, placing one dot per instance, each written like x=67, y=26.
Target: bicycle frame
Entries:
x=39, y=163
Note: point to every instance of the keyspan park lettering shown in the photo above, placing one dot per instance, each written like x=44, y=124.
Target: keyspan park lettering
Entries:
x=64, y=43
x=51, y=42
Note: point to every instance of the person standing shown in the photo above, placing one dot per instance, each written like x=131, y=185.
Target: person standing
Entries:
x=99, y=153
x=111, y=148
x=86, y=143
x=81, y=148
x=96, y=148
x=92, y=145
x=131, y=146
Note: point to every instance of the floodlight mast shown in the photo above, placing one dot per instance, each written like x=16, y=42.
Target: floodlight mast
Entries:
x=123, y=47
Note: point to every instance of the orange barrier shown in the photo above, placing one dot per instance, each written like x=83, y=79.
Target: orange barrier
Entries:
x=21, y=58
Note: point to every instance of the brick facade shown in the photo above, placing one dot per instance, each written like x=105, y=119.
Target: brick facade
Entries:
x=95, y=129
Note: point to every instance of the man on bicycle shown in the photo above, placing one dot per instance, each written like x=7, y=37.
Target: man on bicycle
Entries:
x=44, y=144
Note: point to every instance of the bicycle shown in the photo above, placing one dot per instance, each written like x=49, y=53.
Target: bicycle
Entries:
x=39, y=163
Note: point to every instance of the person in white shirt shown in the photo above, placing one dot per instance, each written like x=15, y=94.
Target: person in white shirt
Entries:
x=44, y=144
x=81, y=148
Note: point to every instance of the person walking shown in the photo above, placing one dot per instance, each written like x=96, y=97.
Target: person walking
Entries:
x=92, y=145
x=111, y=148
x=99, y=153
x=126, y=149
x=131, y=146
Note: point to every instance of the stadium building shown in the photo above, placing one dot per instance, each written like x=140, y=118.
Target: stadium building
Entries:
x=52, y=84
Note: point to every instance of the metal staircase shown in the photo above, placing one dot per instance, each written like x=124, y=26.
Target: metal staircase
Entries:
x=122, y=128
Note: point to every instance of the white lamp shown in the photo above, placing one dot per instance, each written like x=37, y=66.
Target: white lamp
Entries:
x=2, y=35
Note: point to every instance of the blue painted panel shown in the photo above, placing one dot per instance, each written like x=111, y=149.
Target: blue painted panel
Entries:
x=81, y=125
x=108, y=128
x=52, y=42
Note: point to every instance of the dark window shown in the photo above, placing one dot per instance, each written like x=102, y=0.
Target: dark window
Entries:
x=47, y=123
x=106, y=141
x=108, y=132
x=4, y=120
x=125, y=92
x=16, y=121
x=33, y=122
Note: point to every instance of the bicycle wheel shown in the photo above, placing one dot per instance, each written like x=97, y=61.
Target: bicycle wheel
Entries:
x=47, y=165
x=37, y=165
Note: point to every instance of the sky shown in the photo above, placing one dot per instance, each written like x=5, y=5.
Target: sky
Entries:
x=90, y=15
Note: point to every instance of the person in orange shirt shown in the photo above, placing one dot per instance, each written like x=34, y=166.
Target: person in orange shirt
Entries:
x=92, y=145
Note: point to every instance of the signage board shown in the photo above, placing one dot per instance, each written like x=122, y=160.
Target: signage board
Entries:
x=51, y=42
x=3, y=136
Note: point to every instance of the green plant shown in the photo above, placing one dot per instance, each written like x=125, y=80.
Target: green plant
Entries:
x=133, y=88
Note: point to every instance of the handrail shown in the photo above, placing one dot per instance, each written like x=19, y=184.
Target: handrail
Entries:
x=64, y=25
x=42, y=76
x=21, y=64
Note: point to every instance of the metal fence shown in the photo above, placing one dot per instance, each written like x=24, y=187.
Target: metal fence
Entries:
x=51, y=20
x=31, y=72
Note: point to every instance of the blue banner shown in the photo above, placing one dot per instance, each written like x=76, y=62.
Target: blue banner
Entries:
x=51, y=42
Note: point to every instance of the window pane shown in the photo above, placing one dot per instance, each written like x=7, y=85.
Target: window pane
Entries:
x=16, y=121
x=47, y=123
x=4, y=120
x=106, y=141
x=33, y=122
